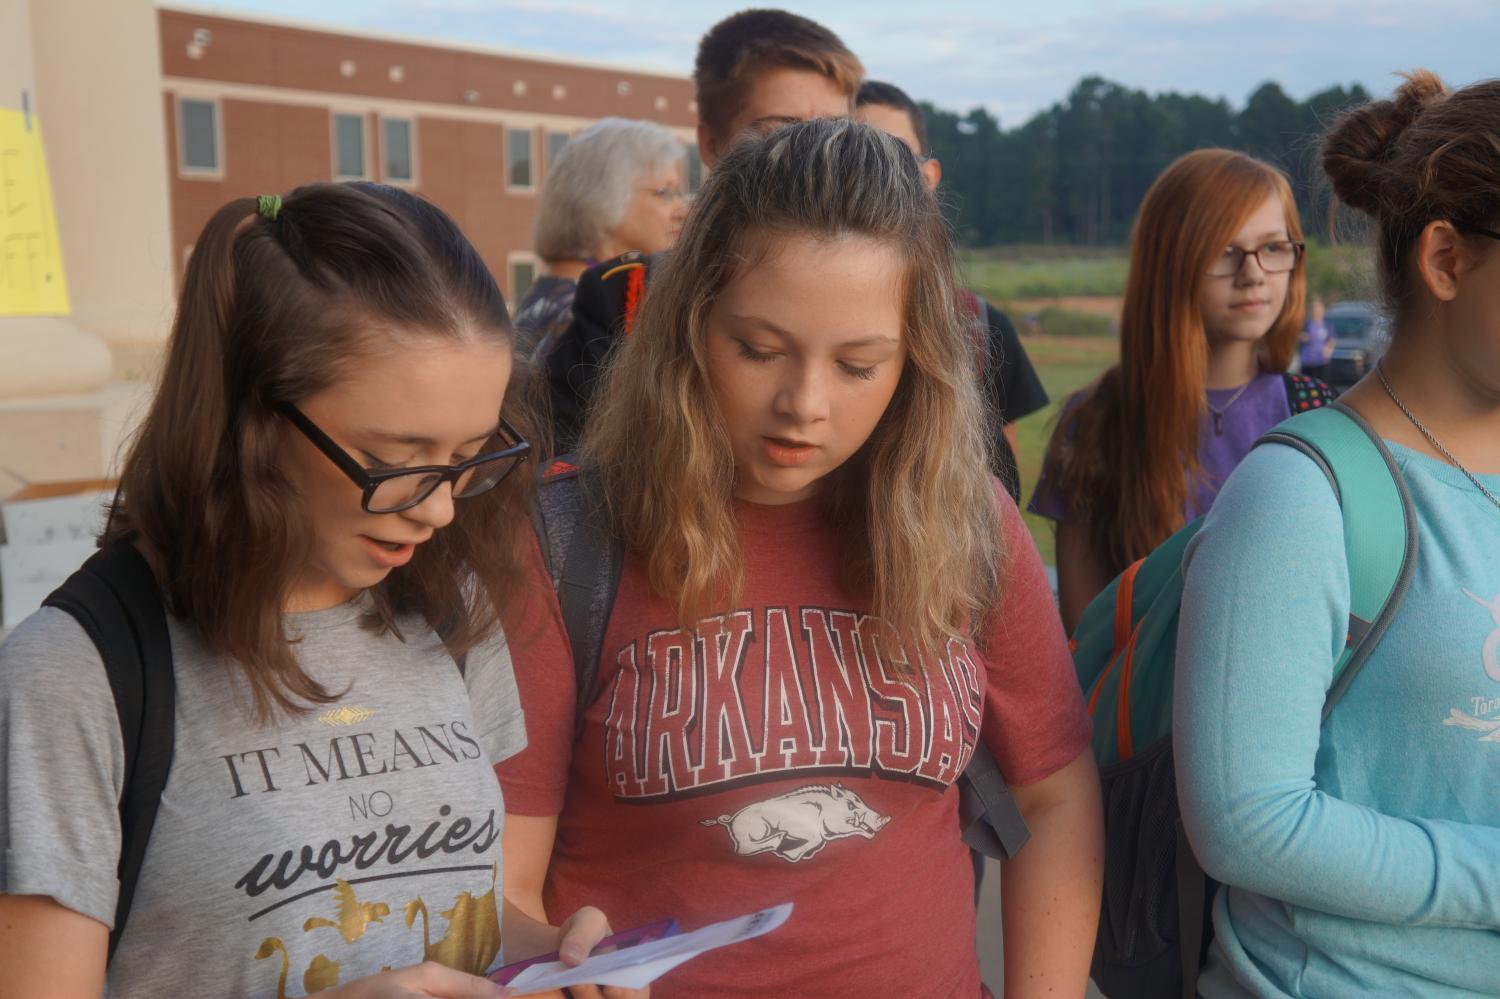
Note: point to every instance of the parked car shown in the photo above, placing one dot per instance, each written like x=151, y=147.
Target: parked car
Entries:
x=1361, y=333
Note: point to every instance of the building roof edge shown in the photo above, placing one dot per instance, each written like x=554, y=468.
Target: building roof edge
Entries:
x=324, y=27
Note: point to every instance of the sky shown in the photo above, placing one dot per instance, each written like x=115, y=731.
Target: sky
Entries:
x=1015, y=59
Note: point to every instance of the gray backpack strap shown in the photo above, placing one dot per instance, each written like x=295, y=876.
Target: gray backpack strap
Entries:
x=584, y=560
x=987, y=812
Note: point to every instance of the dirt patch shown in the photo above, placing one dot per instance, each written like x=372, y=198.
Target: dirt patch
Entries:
x=1096, y=305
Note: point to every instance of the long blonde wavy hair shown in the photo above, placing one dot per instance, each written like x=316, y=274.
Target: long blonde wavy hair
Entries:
x=915, y=507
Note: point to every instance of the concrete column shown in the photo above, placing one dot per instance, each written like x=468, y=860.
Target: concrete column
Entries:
x=98, y=78
x=90, y=74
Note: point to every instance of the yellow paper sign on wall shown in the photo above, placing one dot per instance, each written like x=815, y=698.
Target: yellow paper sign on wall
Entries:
x=31, y=268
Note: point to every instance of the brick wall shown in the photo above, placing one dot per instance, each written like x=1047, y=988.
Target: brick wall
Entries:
x=277, y=88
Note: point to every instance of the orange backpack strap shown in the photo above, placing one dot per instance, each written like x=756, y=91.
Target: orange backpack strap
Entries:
x=1124, y=607
x=635, y=287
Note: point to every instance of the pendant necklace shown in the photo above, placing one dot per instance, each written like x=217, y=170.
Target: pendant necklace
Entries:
x=1218, y=414
x=1433, y=440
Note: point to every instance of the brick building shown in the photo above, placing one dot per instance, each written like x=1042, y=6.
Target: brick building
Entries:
x=260, y=106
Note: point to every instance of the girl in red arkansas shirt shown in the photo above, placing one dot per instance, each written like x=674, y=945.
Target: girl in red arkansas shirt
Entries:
x=826, y=600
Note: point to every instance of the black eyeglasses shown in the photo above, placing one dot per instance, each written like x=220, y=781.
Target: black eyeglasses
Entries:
x=397, y=489
x=1481, y=231
x=1273, y=258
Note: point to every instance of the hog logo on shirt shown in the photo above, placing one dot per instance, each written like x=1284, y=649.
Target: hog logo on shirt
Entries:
x=796, y=825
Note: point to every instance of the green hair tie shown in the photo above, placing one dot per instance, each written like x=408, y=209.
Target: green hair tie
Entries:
x=268, y=206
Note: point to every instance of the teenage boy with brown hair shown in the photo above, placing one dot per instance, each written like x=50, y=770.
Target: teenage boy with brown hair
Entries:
x=1011, y=383
x=756, y=71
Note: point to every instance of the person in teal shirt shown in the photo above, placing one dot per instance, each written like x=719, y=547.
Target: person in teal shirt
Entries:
x=1361, y=856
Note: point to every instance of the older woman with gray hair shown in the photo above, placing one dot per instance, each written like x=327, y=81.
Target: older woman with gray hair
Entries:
x=616, y=186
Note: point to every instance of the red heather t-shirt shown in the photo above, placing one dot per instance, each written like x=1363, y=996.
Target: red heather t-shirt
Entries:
x=789, y=751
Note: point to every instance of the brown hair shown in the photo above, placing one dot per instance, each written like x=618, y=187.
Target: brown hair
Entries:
x=888, y=95
x=270, y=313
x=1421, y=156
x=1129, y=454
x=742, y=45
x=925, y=546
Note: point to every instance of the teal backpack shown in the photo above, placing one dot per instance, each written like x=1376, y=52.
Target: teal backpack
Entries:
x=1154, y=929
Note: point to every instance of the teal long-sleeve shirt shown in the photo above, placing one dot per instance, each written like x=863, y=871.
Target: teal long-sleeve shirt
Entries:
x=1360, y=857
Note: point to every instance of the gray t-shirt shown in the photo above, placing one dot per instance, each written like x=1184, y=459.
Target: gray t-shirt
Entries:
x=362, y=835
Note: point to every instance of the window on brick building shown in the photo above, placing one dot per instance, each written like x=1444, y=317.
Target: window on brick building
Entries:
x=555, y=143
x=396, y=141
x=518, y=158
x=349, y=147
x=198, y=136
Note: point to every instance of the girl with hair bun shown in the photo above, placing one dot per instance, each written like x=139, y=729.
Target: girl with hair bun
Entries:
x=323, y=481
x=1211, y=317
x=1361, y=855
x=826, y=601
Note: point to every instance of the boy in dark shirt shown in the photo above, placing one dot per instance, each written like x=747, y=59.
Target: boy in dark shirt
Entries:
x=755, y=71
x=1011, y=383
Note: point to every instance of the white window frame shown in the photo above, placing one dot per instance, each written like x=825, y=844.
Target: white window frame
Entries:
x=334, y=114
x=200, y=173
x=511, y=260
x=411, y=133
x=547, y=135
x=520, y=188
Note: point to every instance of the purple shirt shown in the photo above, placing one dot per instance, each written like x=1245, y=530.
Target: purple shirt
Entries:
x=1315, y=348
x=1260, y=407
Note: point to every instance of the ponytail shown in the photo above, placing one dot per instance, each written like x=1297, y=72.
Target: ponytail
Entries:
x=276, y=299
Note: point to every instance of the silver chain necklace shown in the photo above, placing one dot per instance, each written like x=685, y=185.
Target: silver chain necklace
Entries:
x=1218, y=414
x=1433, y=440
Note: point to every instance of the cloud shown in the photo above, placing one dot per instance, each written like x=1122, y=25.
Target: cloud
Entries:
x=1013, y=59
x=1017, y=62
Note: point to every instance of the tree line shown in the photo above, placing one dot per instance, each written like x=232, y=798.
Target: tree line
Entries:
x=1076, y=172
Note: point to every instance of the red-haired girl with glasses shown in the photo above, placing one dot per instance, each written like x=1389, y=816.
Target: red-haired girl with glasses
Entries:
x=1212, y=311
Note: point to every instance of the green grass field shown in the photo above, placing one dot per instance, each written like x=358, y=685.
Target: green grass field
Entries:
x=1065, y=365
x=1344, y=270
x=1029, y=273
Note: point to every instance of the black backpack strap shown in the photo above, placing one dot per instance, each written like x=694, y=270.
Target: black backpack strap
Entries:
x=584, y=559
x=117, y=599
x=987, y=812
x=1193, y=899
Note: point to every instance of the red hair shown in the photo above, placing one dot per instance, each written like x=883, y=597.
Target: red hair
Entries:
x=1129, y=456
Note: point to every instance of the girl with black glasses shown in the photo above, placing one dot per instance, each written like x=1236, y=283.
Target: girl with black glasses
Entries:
x=316, y=489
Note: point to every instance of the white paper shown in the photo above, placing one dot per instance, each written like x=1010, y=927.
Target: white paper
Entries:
x=77, y=517
x=638, y=966
x=29, y=572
